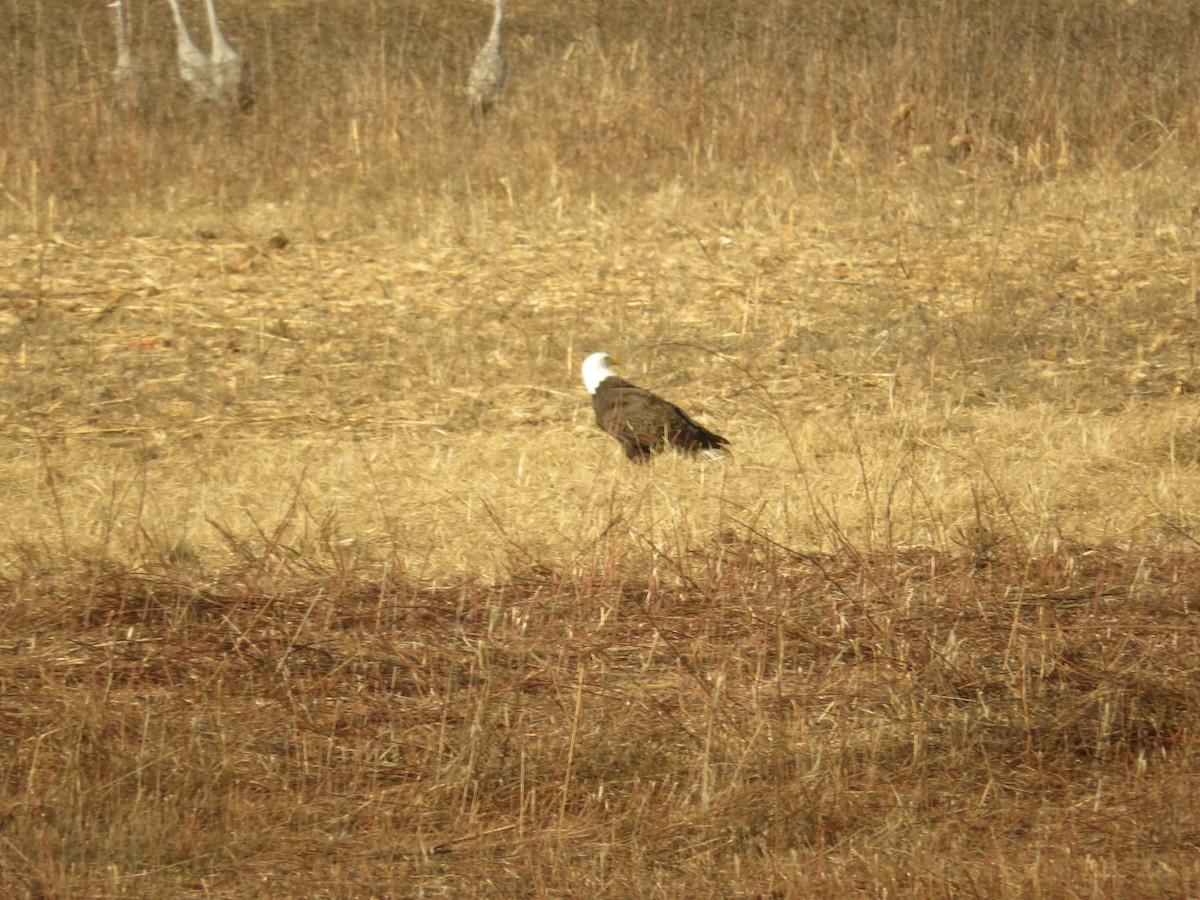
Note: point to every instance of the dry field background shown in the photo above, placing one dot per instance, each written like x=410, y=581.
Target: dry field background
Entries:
x=316, y=578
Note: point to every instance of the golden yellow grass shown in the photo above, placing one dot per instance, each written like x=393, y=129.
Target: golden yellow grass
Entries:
x=316, y=577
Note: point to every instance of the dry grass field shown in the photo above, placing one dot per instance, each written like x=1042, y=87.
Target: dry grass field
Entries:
x=317, y=579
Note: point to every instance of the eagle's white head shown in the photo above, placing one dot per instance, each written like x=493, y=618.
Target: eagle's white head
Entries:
x=596, y=368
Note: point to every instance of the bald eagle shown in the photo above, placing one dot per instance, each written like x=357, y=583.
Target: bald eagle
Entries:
x=643, y=422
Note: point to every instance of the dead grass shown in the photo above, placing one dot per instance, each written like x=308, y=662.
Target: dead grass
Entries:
x=316, y=577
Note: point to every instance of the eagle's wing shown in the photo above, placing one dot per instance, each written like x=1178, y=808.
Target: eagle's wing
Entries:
x=645, y=423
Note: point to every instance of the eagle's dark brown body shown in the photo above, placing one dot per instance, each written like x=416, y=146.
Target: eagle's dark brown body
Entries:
x=645, y=423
